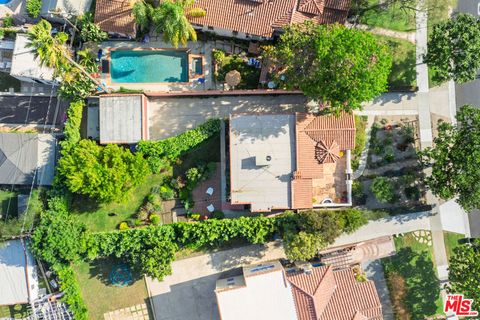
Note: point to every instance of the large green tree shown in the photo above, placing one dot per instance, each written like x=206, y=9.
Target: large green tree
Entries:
x=455, y=159
x=463, y=272
x=59, y=237
x=337, y=66
x=103, y=173
x=454, y=48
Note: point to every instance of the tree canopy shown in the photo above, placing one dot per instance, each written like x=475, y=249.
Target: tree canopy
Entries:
x=454, y=48
x=337, y=66
x=169, y=18
x=455, y=159
x=103, y=173
x=463, y=271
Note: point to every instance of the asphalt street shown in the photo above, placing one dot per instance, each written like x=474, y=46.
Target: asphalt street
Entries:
x=468, y=93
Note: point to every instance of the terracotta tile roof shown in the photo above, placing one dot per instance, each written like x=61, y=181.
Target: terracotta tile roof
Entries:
x=115, y=16
x=325, y=294
x=318, y=142
x=262, y=17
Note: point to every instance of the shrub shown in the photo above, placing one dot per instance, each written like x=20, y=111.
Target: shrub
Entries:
x=193, y=175
x=412, y=193
x=155, y=200
x=360, y=140
x=389, y=154
x=149, y=207
x=218, y=56
x=138, y=222
x=8, y=21
x=218, y=215
x=166, y=192
x=123, y=226
x=72, y=125
x=352, y=220
x=383, y=190
x=359, y=197
x=34, y=7
x=195, y=216
x=155, y=219
x=142, y=214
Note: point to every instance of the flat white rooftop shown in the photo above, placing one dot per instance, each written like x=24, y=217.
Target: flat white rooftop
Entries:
x=262, y=160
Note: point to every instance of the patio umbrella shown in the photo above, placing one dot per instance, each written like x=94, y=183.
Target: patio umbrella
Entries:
x=327, y=153
x=233, y=78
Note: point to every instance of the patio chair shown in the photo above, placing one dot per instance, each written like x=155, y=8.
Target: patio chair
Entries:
x=210, y=208
x=209, y=191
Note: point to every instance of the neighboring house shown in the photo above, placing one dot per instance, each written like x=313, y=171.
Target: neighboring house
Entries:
x=25, y=66
x=6, y=53
x=267, y=291
x=263, y=19
x=120, y=119
x=18, y=274
x=299, y=161
x=32, y=110
x=115, y=17
x=54, y=9
x=27, y=159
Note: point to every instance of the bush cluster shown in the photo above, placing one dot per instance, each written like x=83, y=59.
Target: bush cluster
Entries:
x=172, y=148
x=34, y=7
x=383, y=190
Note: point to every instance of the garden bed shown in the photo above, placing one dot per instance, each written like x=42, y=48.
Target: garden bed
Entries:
x=250, y=75
x=393, y=178
x=411, y=278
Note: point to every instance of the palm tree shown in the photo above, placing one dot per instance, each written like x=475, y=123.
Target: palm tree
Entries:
x=52, y=50
x=170, y=18
x=142, y=12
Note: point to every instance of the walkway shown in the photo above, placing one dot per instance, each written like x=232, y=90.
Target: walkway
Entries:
x=408, y=36
x=387, y=227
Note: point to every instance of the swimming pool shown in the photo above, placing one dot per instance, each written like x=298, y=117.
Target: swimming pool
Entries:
x=148, y=66
x=4, y=1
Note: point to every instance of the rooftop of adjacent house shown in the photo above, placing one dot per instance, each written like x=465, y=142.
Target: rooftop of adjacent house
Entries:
x=18, y=275
x=261, y=293
x=321, y=293
x=28, y=109
x=76, y=7
x=115, y=16
x=24, y=62
x=262, y=160
x=21, y=153
x=263, y=17
x=121, y=118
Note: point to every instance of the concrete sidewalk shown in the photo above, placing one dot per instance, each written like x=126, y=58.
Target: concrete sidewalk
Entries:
x=387, y=226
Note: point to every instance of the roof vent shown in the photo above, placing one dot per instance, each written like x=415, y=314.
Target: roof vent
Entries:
x=263, y=160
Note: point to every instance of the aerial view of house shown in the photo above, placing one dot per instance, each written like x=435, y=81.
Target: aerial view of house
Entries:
x=239, y=159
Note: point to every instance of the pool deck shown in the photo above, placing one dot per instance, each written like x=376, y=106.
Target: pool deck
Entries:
x=196, y=48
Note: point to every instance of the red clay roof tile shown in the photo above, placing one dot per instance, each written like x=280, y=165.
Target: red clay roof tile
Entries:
x=115, y=16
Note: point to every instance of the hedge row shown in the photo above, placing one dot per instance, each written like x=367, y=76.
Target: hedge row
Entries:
x=174, y=147
x=72, y=125
x=71, y=289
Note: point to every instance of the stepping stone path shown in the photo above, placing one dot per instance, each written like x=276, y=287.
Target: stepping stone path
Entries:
x=423, y=236
x=138, y=312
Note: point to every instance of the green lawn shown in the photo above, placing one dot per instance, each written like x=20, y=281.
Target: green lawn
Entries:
x=98, y=293
x=99, y=217
x=412, y=279
x=391, y=17
x=451, y=241
x=17, y=311
x=404, y=62
x=8, y=204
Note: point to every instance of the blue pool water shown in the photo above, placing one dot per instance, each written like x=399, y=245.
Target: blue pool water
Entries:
x=4, y=1
x=144, y=66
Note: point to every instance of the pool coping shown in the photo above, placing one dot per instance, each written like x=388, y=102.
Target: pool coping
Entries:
x=106, y=77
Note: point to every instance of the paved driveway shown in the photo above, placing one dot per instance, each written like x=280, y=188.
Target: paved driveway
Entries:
x=188, y=294
x=171, y=116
